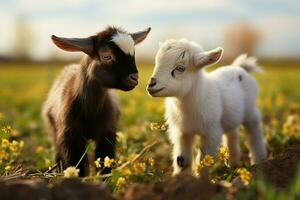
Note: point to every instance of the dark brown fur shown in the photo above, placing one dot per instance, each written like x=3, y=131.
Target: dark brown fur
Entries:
x=88, y=113
x=81, y=106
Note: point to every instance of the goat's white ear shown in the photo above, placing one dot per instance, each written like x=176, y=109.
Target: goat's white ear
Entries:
x=74, y=44
x=140, y=36
x=208, y=57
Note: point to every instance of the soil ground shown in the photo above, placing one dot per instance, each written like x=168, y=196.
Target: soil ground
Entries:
x=279, y=171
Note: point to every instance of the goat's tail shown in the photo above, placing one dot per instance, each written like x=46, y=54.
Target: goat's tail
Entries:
x=247, y=63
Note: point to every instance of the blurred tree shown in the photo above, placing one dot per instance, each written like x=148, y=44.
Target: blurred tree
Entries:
x=22, y=40
x=240, y=38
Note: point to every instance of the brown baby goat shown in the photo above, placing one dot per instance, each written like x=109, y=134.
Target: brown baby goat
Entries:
x=81, y=105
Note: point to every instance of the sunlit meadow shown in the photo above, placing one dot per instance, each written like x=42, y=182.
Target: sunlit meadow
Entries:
x=143, y=151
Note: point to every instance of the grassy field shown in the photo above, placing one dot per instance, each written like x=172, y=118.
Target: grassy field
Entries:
x=23, y=88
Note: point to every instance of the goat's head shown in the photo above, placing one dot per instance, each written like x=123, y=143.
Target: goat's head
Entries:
x=110, y=56
x=177, y=64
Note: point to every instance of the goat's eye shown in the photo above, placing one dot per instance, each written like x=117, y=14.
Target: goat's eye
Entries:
x=180, y=68
x=106, y=58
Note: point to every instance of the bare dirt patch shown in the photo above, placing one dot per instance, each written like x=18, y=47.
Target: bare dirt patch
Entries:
x=180, y=187
x=280, y=170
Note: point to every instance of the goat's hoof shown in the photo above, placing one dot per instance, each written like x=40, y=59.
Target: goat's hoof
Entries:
x=180, y=161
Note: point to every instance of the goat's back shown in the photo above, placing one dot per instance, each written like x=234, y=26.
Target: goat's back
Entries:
x=238, y=91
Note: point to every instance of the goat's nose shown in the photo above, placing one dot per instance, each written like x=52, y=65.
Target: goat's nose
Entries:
x=134, y=76
x=152, y=82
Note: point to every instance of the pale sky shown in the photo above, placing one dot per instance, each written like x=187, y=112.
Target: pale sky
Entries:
x=203, y=21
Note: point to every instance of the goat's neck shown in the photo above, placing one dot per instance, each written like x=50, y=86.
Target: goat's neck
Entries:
x=196, y=94
x=91, y=93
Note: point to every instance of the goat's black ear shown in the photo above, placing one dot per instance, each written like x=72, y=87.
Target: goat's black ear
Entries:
x=74, y=44
x=140, y=36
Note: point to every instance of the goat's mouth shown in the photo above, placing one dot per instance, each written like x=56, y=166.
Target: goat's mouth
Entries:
x=129, y=84
x=127, y=87
x=154, y=91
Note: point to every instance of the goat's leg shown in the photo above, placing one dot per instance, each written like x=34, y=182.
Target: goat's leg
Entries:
x=211, y=141
x=254, y=136
x=209, y=144
x=232, y=142
x=182, y=151
x=69, y=151
x=106, y=147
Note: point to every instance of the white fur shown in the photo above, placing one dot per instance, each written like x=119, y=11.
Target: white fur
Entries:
x=208, y=104
x=125, y=42
x=249, y=64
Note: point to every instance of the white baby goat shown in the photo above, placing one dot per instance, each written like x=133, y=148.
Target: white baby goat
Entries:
x=206, y=103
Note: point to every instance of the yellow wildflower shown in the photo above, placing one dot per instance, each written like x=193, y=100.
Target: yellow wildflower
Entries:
x=244, y=175
x=14, y=146
x=21, y=144
x=291, y=125
x=154, y=126
x=6, y=129
x=139, y=168
x=120, y=182
x=207, y=161
x=7, y=168
x=223, y=153
x=120, y=136
x=126, y=171
x=199, y=168
x=71, y=172
x=150, y=162
x=108, y=162
x=97, y=163
x=163, y=127
x=39, y=149
x=5, y=143
x=157, y=126
x=3, y=155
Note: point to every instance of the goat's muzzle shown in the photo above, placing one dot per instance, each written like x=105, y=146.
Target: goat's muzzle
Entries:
x=132, y=80
x=151, y=87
